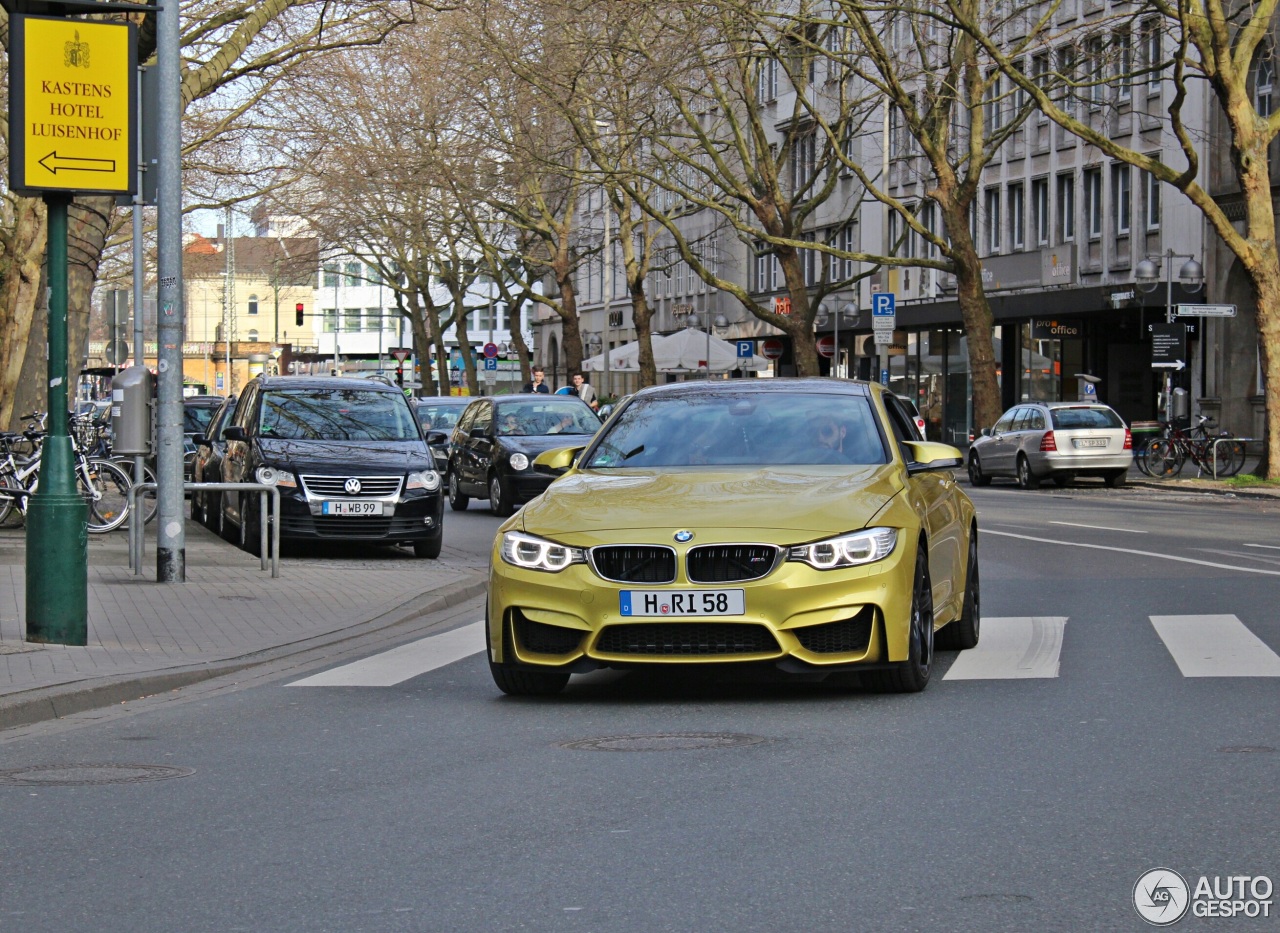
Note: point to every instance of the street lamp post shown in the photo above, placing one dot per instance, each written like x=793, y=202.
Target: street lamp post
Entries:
x=848, y=313
x=608, y=295
x=336, y=318
x=1191, y=276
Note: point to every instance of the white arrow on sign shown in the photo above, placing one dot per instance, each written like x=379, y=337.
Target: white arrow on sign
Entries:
x=1172, y=364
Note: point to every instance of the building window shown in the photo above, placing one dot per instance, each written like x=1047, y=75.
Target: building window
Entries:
x=253, y=336
x=1152, y=56
x=766, y=268
x=1067, y=69
x=351, y=321
x=330, y=320
x=1095, y=61
x=1124, y=65
x=1066, y=208
x=992, y=105
x=353, y=274
x=1152, y=201
x=991, y=202
x=895, y=132
x=843, y=239
x=1093, y=202
x=803, y=161
x=929, y=220
x=767, y=80
x=1263, y=84
x=1040, y=209
x=1040, y=75
x=330, y=275
x=253, y=304
x=1122, y=198
x=1017, y=216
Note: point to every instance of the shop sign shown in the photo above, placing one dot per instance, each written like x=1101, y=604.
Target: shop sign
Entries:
x=1043, y=329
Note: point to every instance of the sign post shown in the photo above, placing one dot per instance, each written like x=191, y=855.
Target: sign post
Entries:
x=72, y=100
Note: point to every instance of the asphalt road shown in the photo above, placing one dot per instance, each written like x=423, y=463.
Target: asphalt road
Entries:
x=1001, y=801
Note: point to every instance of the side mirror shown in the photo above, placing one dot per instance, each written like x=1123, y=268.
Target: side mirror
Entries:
x=985, y=432
x=437, y=437
x=479, y=432
x=199, y=440
x=929, y=455
x=235, y=433
x=557, y=461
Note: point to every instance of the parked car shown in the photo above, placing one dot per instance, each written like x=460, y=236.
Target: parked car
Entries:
x=914, y=413
x=1058, y=440
x=495, y=441
x=211, y=446
x=197, y=412
x=438, y=415
x=797, y=523
x=347, y=455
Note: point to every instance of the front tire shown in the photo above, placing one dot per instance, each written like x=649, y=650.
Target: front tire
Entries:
x=499, y=498
x=1026, y=479
x=962, y=634
x=457, y=501
x=428, y=549
x=976, y=476
x=912, y=675
x=520, y=682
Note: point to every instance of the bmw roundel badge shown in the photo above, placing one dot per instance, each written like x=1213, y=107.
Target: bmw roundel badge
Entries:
x=683, y=536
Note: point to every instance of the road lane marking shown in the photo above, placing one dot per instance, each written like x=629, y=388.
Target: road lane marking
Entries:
x=400, y=664
x=1131, y=551
x=1132, y=531
x=1014, y=648
x=1215, y=646
x=1270, y=547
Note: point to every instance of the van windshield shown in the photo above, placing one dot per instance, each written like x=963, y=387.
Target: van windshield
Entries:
x=338, y=415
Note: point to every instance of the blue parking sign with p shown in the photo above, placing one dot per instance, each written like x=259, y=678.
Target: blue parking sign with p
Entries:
x=490, y=363
x=882, y=304
x=745, y=349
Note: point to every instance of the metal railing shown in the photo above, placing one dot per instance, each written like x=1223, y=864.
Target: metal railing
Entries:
x=136, y=528
x=1213, y=457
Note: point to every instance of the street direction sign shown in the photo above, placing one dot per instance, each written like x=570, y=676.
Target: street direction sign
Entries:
x=1168, y=346
x=771, y=349
x=746, y=349
x=73, y=104
x=1206, y=310
x=826, y=345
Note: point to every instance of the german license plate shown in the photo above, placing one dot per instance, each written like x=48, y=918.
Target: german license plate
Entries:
x=350, y=507
x=681, y=603
x=1090, y=442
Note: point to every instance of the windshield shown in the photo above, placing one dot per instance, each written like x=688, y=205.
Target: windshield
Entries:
x=537, y=419
x=439, y=417
x=338, y=415
x=750, y=429
x=195, y=418
x=1067, y=418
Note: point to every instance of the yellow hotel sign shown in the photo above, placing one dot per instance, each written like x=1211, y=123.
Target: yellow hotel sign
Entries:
x=73, y=96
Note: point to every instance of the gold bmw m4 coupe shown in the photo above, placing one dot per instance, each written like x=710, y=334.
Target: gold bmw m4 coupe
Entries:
x=799, y=523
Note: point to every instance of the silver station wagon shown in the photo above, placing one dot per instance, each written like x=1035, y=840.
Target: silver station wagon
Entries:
x=1038, y=440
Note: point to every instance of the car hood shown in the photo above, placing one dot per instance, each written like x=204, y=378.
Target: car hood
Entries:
x=345, y=456
x=778, y=504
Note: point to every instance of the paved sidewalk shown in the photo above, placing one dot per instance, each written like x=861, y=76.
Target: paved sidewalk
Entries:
x=146, y=637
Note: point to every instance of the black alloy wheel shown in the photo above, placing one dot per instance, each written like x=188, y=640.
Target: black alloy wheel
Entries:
x=457, y=501
x=976, y=476
x=1026, y=479
x=912, y=675
x=500, y=497
x=962, y=634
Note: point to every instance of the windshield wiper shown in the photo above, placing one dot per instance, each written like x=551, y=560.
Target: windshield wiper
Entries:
x=631, y=453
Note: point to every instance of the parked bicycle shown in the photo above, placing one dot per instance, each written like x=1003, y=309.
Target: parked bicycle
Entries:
x=103, y=485
x=1218, y=454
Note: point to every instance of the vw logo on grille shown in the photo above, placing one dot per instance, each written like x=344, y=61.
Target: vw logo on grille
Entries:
x=683, y=536
x=352, y=486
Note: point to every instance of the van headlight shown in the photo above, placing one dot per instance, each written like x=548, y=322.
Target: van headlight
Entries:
x=425, y=479
x=270, y=476
x=519, y=462
x=531, y=553
x=862, y=547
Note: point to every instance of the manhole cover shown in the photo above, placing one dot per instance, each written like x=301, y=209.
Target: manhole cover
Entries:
x=1246, y=749
x=664, y=742
x=74, y=775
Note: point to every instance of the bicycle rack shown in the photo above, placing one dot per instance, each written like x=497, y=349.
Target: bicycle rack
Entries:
x=136, y=528
x=1214, y=456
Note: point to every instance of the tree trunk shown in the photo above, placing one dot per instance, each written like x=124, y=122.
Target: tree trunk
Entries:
x=517, y=340
x=979, y=324
x=21, y=279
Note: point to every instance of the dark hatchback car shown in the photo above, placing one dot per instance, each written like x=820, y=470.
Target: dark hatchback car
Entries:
x=197, y=412
x=439, y=415
x=211, y=446
x=493, y=446
x=347, y=456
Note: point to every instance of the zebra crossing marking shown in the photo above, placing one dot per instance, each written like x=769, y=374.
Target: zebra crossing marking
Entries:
x=1012, y=648
x=403, y=663
x=1215, y=646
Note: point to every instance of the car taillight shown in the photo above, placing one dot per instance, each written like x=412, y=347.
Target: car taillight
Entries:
x=1047, y=442
x=1128, y=440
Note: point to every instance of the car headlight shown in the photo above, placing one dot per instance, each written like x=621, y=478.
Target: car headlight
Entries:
x=519, y=462
x=533, y=553
x=862, y=547
x=426, y=479
x=270, y=476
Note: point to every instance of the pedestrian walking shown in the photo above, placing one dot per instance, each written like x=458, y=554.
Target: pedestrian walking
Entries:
x=537, y=385
x=585, y=392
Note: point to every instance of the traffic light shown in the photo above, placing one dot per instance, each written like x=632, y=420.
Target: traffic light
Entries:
x=298, y=312
x=400, y=374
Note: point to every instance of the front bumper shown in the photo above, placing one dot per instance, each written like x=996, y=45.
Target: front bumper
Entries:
x=415, y=518
x=796, y=617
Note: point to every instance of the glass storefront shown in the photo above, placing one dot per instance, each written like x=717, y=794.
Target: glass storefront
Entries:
x=932, y=369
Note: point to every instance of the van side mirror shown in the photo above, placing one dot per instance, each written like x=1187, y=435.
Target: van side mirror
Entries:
x=235, y=433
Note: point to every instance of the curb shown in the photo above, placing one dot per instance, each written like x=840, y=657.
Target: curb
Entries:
x=45, y=703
